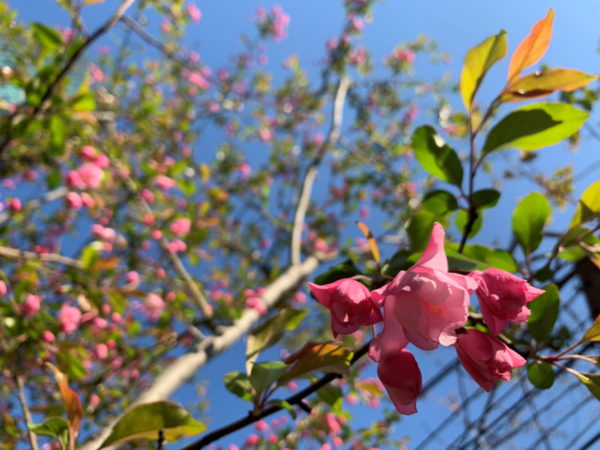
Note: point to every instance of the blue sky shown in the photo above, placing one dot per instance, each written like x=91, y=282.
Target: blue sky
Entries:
x=457, y=26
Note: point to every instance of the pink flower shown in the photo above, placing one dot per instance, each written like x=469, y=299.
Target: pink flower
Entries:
x=401, y=377
x=3, y=288
x=332, y=424
x=74, y=181
x=69, y=318
x=164, y=182
x=87, y=200
x=194, y=12
x=91, y=175
x=425, y=304
x=154, y=305
x=88, y=152
x=14, y=204
x=181, y=226
x=132, y=277
x=197, y=79
x=503, y=297
x=485, y=358
x=257, y=304
x=74, y=201
x=350, y=304
x=101, y=351
x=48, y=336
x=261, y=425
x=31, y=305
x=147, y=195
x=253, y=439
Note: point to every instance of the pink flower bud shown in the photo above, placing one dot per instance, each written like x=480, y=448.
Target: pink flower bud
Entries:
x=48, y=336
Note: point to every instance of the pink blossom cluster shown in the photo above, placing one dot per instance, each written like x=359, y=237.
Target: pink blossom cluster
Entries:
x=274, y=24
x=400, y=59
x=88, y=176
x=428, y=306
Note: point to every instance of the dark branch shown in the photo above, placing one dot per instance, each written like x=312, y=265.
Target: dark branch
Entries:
x=296, y=399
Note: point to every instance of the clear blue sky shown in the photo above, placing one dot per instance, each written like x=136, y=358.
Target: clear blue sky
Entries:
x=456, y=25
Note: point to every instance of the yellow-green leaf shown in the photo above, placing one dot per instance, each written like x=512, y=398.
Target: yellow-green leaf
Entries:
x=528, y=221
x=477, y=62
x=593, y=334
x=370, y=239
x=589, y=205
x=319, y=357
x=145, y=421
x=541, y=84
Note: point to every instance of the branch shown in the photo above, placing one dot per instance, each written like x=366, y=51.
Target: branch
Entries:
x=17, y=254
x=33, y=204
x=311, y=174
x=295, y=399
x=188, y=365
x=125, y=4
x=26, y=411
x=195, y=291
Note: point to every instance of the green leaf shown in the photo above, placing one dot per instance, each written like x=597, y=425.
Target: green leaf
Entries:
x=458, y=261
x=57, y=135
x=319, y=357
x=535, y=126
x=572, y=250
x=330, y=394
x=347, y=269
x=48, y=37
x=486, y=198
x=55, y=426
x=145, y=421
x=544, y=312
x=593, y=333
x=541, y=375
x=592, y=382
x=269, y=332
x=540, y=84
x=84, y=102
x=284, y=405
x=419, y=229
x=499, y=259
x=589, y=205
x=263, y=375
x=477, y=62
x=89, y=256
x=528, y=221
x=239, y=384
x=436, y=157
x=440, y=202
x=462, y=218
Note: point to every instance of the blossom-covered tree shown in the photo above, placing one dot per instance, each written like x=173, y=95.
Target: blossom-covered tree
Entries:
x=130, y=259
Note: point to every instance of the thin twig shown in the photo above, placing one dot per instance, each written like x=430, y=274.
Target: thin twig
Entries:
x=311, y=174
x=26, y=412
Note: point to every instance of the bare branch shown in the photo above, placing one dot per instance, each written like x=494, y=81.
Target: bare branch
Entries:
x=17, y=254
x=311, y=174
x=187, y=365
x=26, y=412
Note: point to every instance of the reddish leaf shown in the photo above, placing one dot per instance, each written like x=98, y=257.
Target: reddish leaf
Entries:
x=541, y=84
x=532, y=48
x=72, y=405
x=371, y=239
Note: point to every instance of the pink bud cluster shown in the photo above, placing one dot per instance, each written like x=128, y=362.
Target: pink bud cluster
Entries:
x=274, y=24
x=428, y=306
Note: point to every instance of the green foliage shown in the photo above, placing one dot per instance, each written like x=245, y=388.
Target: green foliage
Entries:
x=145, y=421
x=238, y=383
x=477, y=62
x=271, y=331
x=528, y=221
x=440, y=202
x=588, y=206
x=541, y=375
x=263, y=375
x=535, y=126
x=436, y=157
x=55, y=426
x=544, y=312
